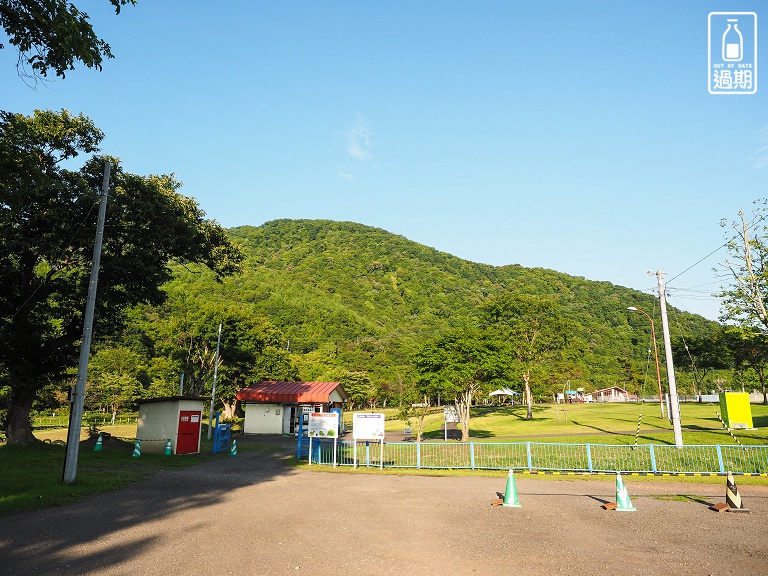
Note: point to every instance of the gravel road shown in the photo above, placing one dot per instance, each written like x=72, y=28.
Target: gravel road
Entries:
x=252, y=515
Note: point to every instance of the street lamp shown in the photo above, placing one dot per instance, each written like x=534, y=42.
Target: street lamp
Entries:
x=655, y=353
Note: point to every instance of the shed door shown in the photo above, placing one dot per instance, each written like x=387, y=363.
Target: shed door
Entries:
x=189, y=432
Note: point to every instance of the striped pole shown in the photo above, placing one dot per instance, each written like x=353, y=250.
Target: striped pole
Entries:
x=637, y=432
x=729, y=431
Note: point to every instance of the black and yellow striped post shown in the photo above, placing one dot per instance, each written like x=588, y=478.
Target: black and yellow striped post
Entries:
x=732, y=497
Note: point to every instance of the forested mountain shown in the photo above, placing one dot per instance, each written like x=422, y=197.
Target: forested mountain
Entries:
x=350, y=298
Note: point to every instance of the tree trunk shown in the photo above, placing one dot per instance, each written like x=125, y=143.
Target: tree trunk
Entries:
x=463, y=403
x=229, y=408
x=528, y=396
x=18, y=429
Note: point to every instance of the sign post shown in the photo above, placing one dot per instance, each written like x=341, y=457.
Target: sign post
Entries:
x=450, y=414
x=368, y=426
x=323, y=425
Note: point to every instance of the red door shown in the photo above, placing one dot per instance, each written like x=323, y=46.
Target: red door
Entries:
x=189, y=432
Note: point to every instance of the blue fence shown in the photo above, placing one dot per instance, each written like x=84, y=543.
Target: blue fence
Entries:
x=536, y=456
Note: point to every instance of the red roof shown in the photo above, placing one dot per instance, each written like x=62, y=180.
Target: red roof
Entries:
x=290, y=392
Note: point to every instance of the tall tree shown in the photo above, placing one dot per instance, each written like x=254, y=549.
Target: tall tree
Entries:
x=750, y=350
x=51, y=35
x=459, y=365
x=746, y=300
x=47, y=229
x=700, y=354
x=533, y=330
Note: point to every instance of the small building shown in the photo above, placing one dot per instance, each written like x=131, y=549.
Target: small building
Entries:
x=273, y=407
x=613, y=394
x=176, y=418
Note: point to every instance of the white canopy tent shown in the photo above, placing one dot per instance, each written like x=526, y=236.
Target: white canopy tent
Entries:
x=505, y=392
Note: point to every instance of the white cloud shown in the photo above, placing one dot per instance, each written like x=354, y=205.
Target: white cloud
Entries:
x=359, y=140
x=761, y=156
x=347, y=176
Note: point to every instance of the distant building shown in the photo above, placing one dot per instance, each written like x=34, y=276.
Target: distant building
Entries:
x=614, y=394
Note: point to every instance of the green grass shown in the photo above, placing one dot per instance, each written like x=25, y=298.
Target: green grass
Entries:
x=32, y=475
x=612, y=423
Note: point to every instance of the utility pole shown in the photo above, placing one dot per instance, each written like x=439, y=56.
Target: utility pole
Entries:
x=674, y=405
x=215, y=374
x=78, y=398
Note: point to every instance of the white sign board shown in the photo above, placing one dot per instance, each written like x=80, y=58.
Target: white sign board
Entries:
x=451, y=413
x=367, y=426
x=323, y=425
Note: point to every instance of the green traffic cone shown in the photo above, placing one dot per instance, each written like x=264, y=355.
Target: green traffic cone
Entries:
x=510, y=494
x=97, y=448
x=622, y=496
x=137, y=449
x=168, y=448
x=233, y=448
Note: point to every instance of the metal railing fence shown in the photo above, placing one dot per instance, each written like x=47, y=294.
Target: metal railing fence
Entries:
x=540, y=456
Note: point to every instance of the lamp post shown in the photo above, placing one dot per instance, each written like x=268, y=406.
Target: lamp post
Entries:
x=655, y=353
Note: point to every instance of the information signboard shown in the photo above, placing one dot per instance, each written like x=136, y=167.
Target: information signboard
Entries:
x=323, y=425
x=367, y=426
x=451, y=413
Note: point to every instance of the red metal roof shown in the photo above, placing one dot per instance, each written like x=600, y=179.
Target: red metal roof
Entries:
x=290, y=392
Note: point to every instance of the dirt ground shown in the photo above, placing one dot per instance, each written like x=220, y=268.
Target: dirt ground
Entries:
x=251, y=514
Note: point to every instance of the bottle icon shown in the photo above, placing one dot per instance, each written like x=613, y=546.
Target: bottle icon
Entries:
x=733, y=43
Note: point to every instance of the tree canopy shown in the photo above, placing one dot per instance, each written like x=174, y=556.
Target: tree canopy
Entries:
x=51, y=35
x=532, y=329
x=47, y=230
x=458, y=366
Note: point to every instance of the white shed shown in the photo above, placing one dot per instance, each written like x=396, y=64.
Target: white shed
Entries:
x=176, y=418
x=273, y=407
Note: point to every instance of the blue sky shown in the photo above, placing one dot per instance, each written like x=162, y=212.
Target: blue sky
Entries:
x=576, y=136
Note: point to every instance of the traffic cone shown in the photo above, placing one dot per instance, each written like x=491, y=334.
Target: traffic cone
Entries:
x=732, y=498
x=97, y=448
x=168, y=449
x=510, y=494
x=624, y=504
x=137, y=448
x=233, y=448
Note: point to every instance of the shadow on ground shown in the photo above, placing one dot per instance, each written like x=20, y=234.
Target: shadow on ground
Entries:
x=43, y=541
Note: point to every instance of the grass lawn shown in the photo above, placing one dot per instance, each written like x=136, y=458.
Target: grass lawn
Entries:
x=611, y=423
x=32, y=475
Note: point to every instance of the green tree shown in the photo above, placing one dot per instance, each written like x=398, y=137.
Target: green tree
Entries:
x=184, y=330
x=117, y=377
x=750, y=350
x=701, y=354
x=47, y=229
x=52, y=35
x=358, y=387
x=532, y=329
x=745, y=301
x=459, y=365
